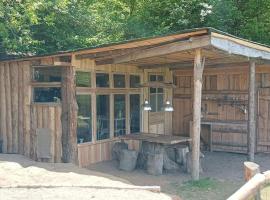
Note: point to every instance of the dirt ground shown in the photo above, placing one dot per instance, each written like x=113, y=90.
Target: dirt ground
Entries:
x=223, y=174
x=21, y=178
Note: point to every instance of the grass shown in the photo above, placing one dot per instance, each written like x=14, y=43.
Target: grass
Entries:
x=205, y=189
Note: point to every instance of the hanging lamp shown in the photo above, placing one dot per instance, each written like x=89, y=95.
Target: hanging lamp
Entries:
x=168, y=106
x=146, y=105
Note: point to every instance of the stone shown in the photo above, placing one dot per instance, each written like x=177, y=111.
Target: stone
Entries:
x=128, y=159
x=169, y=164
x=154, y=164
x=117, y=148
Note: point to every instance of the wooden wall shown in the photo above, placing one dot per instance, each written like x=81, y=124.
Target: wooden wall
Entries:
x=159, y=123
x=15, y=107
x=100, y=151
x=19, y=117
x=225, y=96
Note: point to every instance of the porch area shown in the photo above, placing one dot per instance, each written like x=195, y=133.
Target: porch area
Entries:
x=217, y=84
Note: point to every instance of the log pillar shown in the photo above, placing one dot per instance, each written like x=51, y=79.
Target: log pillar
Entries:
x=69, y=116
x=252, y=111
x=196, y=126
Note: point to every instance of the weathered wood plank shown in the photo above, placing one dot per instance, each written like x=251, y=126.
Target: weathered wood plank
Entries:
x=3, y=106
x=8, y=109
x=14, y=105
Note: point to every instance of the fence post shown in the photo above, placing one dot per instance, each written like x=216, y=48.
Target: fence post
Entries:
x=250, y=170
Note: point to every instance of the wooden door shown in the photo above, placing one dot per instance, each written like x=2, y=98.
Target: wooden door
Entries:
x=156, y=122
x=263, y=132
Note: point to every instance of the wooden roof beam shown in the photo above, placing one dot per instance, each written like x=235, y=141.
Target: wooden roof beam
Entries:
x=239, y=47
x=191, y=43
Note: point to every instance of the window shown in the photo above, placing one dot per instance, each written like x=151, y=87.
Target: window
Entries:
x=102, y=80
x=103, y=117
x=47, y=94
x=119, y=80
x=83, y=79
x=156, y=78
x=84, y=121
x=156, y=94
x=47, y=74
x=47, y=84
x=134, y=81
x=119, y=114
x=134, y=113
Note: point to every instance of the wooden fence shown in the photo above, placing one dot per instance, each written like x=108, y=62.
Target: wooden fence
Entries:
x=255, y=182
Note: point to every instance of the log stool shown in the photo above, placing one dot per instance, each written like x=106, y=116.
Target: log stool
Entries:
x=117, y=148
x=189, y=162
x=154, y=164
x=128, y=159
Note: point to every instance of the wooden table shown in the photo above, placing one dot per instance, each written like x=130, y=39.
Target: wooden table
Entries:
x=156, y=138
x=155, y=144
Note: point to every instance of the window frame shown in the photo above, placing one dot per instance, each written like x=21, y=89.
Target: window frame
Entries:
x=92, y=121
x=156, y=93
x=111, y=91
x=36, y=84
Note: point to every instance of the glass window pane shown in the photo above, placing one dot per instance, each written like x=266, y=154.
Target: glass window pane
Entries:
x=43, y=94
x=103, y=117
x=47, y=74
x=152, y=78
x=134, y=81
x=159, y=90
x=159, y=102
x=153, y=90
x=83, y=79
x=159, y=78
x=84, y=121
x=135, y=116
x=153, y=102
x=119, y=115
x=102, y=80
x=119, y=80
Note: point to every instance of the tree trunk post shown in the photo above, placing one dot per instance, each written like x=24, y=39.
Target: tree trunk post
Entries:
x=251, y=111
x=196, y=126
x=69, y=116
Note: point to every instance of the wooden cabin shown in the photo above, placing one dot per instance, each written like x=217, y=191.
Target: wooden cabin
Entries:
x=219, y=86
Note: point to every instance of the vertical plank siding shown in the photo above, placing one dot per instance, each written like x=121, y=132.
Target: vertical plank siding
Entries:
x=19, y=119
x=224, y=92
x=90, y=153
x=46, y=116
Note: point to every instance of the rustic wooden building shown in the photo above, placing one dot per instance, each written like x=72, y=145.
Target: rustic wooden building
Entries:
x=219, y=86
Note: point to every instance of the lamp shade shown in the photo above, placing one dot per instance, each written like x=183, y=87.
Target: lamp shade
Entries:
x=168, y=106
x=146, y=106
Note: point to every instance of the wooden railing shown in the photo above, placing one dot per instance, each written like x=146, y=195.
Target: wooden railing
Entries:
x=255, y=182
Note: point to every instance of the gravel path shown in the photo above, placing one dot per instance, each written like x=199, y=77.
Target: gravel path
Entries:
x=22, y=178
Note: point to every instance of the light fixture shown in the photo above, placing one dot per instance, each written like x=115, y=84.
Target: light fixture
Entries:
x=146, y=106
x=168, y=106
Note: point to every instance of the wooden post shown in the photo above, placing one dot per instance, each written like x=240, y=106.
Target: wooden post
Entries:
x=69, y=116
x=250, y=170
x=196, y=127
x=251, y=111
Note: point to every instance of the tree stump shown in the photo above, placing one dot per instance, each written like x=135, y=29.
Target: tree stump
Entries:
x=181, y=155
x=188, y=166
x=154, y=164
x=168, y=163
x=148, y=148
x=128, y=159
x=117, y=148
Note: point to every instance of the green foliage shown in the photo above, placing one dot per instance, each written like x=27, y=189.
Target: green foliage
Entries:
x=30, y=27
